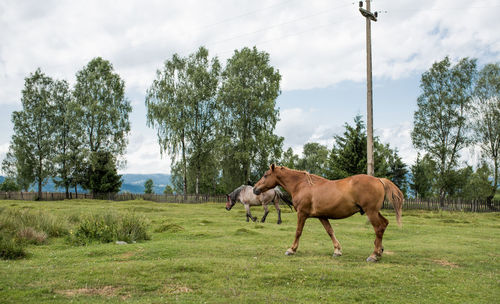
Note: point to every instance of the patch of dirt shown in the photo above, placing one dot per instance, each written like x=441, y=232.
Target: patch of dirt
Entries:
x=445, y=263
x=126, y=256
x=104, y=291
x=175, y=289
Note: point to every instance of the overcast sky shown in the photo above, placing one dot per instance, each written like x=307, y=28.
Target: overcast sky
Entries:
x=318, y=47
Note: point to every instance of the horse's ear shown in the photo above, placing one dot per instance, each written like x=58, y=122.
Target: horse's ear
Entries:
x=272, y=167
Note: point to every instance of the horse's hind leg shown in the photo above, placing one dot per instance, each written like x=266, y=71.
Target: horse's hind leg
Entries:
x=336, y=245
x=266, y=211
x=277, y=206
x=379, y=224
x=249, y=215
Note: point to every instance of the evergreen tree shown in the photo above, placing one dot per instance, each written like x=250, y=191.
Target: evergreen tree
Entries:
x=101, y=174
x=148, y=187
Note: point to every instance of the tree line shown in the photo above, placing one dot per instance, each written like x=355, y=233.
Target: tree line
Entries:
x=76, y=136
x=217, y=124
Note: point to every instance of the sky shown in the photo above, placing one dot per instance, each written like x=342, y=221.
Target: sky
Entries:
x=318, y=46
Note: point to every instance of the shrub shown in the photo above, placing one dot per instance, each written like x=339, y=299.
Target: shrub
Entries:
x=31, y=236
x=10, y=249
x=17, y=220
x=109, y=227
x=132, y=228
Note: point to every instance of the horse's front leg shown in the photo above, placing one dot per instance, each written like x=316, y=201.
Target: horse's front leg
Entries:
x=249, y=215
x=266, y=211
x=336, y=245
x=301, y=220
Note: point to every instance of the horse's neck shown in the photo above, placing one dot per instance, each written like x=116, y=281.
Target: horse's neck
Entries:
x=292, y=180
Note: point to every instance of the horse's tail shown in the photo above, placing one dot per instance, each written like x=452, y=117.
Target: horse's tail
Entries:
x=280, y=195
x=395, y=196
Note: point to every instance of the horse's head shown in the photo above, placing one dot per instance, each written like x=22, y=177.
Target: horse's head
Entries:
x=268, y=181
x=230, y=202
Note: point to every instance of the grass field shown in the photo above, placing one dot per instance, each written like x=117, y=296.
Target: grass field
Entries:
x=204, y=254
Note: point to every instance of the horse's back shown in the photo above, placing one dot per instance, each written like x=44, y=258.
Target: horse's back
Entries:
x=342, y=198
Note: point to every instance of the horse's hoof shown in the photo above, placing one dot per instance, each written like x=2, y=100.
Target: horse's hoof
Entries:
x=337, y=254
x=371, y=259
x=279, y=222
x=289, y=252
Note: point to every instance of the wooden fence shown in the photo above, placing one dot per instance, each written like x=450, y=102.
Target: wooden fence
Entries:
x=169, y=198
x=448, y=204
x=409, y=204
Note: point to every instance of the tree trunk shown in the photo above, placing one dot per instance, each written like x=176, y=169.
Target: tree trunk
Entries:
x=39, y=188
x=184, y=165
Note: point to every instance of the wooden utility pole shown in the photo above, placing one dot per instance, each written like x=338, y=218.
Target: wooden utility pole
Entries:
x=369, y=16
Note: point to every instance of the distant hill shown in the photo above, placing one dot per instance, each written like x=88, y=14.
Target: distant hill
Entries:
x=133, y=183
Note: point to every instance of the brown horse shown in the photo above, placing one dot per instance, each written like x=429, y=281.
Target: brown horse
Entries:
x=317, y=197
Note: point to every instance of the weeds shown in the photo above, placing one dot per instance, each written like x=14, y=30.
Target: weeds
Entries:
x=110, y=227
x=10, y=249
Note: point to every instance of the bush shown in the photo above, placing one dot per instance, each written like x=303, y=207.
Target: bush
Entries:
x=31, y=236
x=10, y=249
x=132, y=228
x=109, y=227
x=15, y=221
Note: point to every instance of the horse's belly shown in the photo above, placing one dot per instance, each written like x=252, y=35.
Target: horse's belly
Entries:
x=334, y=210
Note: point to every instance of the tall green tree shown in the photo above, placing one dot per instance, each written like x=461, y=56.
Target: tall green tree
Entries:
x=203, y=77
x=33, y=139
x=290, y=159
x=250, y=86
x=440, y=121
x=486, y=118
x=148, y=186
x=422, y=176
x=182, y=106
x=104, y=109
x=67, y=135
x=166, y=103
x=315, y=159
x=19, y=166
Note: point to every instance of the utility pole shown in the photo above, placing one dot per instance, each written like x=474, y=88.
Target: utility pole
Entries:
x=369, y=16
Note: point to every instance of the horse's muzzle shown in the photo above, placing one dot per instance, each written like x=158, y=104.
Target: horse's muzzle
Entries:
x=256, y=191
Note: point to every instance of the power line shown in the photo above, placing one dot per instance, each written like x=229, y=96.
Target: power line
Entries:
x=245, y=14
x=275, y=25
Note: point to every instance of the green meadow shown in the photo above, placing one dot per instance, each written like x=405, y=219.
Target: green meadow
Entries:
x=201, y=253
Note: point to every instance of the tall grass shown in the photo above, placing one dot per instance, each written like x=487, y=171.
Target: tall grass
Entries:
x=110, y=227
x=15, y=220
x=18, y=228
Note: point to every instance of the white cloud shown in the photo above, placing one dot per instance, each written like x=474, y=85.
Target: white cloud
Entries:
x=143, y=155
x=313, y=44
x=399, y=136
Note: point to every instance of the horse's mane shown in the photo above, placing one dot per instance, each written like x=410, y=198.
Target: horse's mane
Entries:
x=309, y=176
x=236, y=193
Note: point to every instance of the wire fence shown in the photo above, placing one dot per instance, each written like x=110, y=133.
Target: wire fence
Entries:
x=408, y=204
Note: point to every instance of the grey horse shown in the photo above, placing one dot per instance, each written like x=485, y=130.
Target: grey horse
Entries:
x=245, y=195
